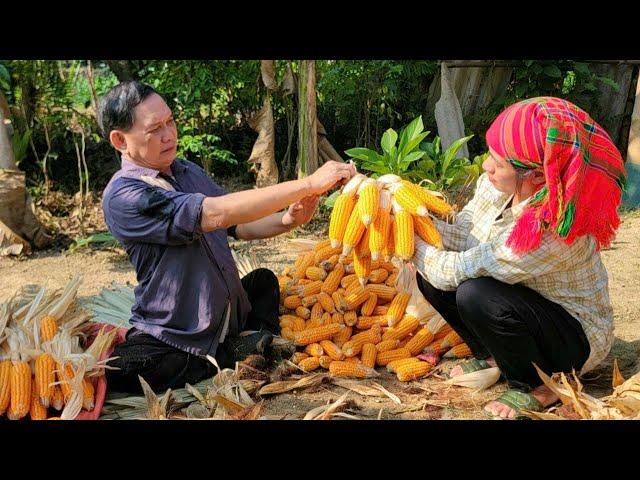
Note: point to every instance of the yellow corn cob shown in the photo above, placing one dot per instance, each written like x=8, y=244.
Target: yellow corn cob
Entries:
x=309, y=364
x=397, y=308
x=391, y=280
x=387, y=345
x=304, y=281
x=313, y=335
x=384, y=292
x=388, y=249
x=412, y=371
x=292, y=302
x=298, y=357
x=88, y=392
x=395, y=364
x=419, y=341
x=432, y=202
x=388, y=356
x=379, y=230
x=330, y=263
x=461, y=350
x=307, y=261
x=332, y=349
x=48, y=328
x=326, y=302
x=313, y=323
x=340, y=217
x=354, y=345
x=350, y=318
x=353, y=360
x=436, y=346
x=310, y=288
x=451, y=340
x=64, y=374
x=288, y=320
x=298, y=324
x=44, y=373
x=338, y=301
x=287, y=333
x=404, y=341
x=36, y=411
x=321, y=245
x=346, y=259
x=5, y=385
x=20, y=391
x=316, y=273
x=325, y=361
x=378, y=275
x=355, y=230
x=326, y=318
x=362, y=249
x=409, y=200
x=333, y=280
x=57, y=399
x=365, y=323
x=427, y=231
x=349, y=280
x=356, y=298
x=348, y=267
x=309, y=301
x=407, y=325
x=343, y=336
x=303, y=312
x=362, y=268
x=369, y=305
x=368, y=202
x=350, y=369
x=337, y=318
x=314, y=349
x=389, y=267
x=325, y=254
x=353, y=288
x=316, y=312
x=380, y=309
x=404, y=237
x=443, y=332
x=369, y=354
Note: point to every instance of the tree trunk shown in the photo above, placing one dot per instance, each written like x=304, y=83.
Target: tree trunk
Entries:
x=7, y=160
x=17, y=215
x=307, y=119
x=123, y=69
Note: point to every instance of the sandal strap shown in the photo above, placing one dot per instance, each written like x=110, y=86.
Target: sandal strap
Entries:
x=519, y=400
x=473, y=365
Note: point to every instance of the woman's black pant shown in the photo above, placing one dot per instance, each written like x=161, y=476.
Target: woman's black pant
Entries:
x=513, y=324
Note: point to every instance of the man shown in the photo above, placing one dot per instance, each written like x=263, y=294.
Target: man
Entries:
x=173, y=221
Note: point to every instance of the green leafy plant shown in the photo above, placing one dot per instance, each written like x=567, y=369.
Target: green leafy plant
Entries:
x=441, y=169
x=396, y=159
x=102, y=240
x=20, y=143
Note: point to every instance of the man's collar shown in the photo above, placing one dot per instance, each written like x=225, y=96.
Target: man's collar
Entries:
x=130, y=167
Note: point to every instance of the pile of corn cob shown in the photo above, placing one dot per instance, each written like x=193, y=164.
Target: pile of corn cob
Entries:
x=352, y=302
x=42, y=366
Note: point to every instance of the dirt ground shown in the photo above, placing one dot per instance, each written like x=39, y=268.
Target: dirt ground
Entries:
x=424, y=399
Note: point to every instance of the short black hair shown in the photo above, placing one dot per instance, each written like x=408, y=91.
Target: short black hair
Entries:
x=116, y=107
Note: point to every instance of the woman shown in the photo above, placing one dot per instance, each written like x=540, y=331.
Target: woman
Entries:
x=521, y=279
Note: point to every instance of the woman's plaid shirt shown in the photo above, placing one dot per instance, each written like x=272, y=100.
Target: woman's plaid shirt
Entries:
x=571, y=276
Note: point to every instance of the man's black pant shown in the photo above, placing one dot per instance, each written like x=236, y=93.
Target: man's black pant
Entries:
x=513, y=324
x=163, y=366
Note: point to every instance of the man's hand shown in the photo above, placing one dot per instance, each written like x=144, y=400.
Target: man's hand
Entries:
x=301, y=211
x=329, y=175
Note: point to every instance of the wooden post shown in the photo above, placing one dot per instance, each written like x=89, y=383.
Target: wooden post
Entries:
x=307, y=120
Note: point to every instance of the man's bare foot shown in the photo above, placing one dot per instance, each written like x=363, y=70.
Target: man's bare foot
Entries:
x=542, y=393
x=457, y=370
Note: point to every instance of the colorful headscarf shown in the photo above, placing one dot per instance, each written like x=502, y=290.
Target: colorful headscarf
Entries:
x=584, y=171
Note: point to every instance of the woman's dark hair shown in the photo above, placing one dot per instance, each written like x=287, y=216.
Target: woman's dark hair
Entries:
x=115, y=110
